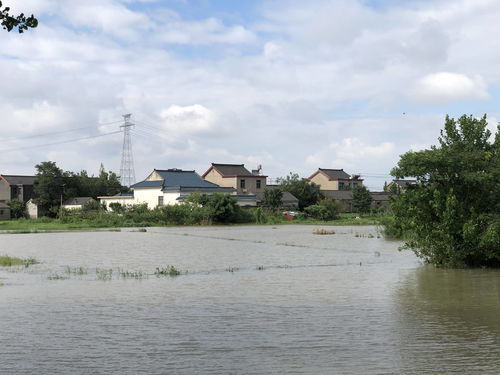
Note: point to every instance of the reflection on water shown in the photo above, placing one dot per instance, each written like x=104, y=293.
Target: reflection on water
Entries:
x=452, y=316
x=348, y=303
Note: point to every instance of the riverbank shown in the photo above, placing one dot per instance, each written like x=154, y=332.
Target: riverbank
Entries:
x=108, y=221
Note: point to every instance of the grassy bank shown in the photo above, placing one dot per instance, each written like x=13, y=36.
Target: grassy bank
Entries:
x=90, y=221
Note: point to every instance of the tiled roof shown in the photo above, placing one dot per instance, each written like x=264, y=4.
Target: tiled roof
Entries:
x=177, y=179
x=232, y=169
x=335, y=173
x=404, y=183
x=19, y=180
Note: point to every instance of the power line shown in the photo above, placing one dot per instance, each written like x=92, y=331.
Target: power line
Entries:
x=59, y=132
x=60, y=142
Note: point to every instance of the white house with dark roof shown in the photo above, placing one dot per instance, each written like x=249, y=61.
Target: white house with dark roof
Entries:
x=172, y=186
x=236, y=176
x=334, y=179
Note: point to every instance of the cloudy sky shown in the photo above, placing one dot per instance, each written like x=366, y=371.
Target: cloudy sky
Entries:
x=292, y=85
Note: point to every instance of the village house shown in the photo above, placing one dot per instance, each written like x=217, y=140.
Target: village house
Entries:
x=236, y=176
x=16, y=187
x=173, y=186
x=399, y=186
x=76, y=203
x=334, y=179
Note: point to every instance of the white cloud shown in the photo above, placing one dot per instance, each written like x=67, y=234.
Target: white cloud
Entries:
x=188, y=119
x=446, y=87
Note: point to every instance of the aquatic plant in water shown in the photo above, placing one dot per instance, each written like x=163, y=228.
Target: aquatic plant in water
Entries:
x=8, y=261
x=323, y=231
x=167, y=271
x=103, y=274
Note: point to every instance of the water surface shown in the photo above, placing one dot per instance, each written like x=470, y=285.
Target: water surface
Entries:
x=295, y=302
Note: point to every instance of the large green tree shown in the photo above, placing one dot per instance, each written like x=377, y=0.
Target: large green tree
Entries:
x=451, y=217
x=361, y=199
x=306, y=192
x=9, y=21
x=49, y=186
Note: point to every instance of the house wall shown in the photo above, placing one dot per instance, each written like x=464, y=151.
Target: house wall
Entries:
x=124, y=201
x=324, y=183
x=148, y=196
x=234, y=182
x=250, y=184
x=154, y=176
x=4, y=191
x=215, y=178
x=32, y=210
x=4, y=213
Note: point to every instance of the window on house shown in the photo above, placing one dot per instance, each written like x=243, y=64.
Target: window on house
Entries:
x=242, y=184
x=341, y=186
x=1, y=212
x=257, y=184
x=160, y=201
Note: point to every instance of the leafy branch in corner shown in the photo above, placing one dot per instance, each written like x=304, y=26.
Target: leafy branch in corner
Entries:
x=10, y=22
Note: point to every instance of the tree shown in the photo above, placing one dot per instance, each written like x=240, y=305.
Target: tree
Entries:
x=361, y=199
x=49, y=186
x=306, y=192
x=451, y=216
x=326, y=209
x=224, y=208
x=17, y=208
x=10, y=22
x=273, y=198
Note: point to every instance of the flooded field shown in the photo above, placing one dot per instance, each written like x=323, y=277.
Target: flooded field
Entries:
x=248, y=300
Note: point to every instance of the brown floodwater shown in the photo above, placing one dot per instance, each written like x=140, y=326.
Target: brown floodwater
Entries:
x=250, y=300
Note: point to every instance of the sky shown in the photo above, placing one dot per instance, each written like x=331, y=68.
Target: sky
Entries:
x=290, y=85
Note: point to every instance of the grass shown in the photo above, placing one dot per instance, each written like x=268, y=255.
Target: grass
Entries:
x=103, y=274
x=126, y=274
x=8, y=261
x=232, y=269
x=76, y=270
x=56, y=276
x=323, y=231
x=167, y=271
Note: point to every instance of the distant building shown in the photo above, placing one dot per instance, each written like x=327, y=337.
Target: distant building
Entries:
x=399, y=186
x=77, y=203
x=173, y=186
x=288, y=200
x=16, y=187
x=334, y=179
x=236, y=176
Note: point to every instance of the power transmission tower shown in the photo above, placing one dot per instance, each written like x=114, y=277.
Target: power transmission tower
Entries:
x=127, y=173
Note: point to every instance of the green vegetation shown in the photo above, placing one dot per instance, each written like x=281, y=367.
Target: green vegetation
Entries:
x=327, y=209
x=54, y=185
x=167, y=271
x=17, y=208
x=361, y=199
x=8, y=261
x=273, y=198
x=323, y=231
x=307, y=193
x=132, y=274
x=76, y=270
x=103, y=274
x=451, y=217
x=56, y=276
x=10, y=22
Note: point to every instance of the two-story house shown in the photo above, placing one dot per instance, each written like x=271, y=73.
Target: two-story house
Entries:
x=335, y=179
x=236, y=176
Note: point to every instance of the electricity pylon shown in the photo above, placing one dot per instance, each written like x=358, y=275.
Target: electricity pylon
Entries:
x=127, y=173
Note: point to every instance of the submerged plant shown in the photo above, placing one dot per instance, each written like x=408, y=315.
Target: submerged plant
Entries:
x=76, y=270
x=167, y=271
x=323, y=231
x=56, y=276
x=8, y=261
x=126, y=274
x=260, y=268
x=232, y=269
x=103, y=274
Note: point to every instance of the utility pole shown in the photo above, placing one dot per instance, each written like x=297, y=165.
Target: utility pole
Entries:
x=127, y=173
